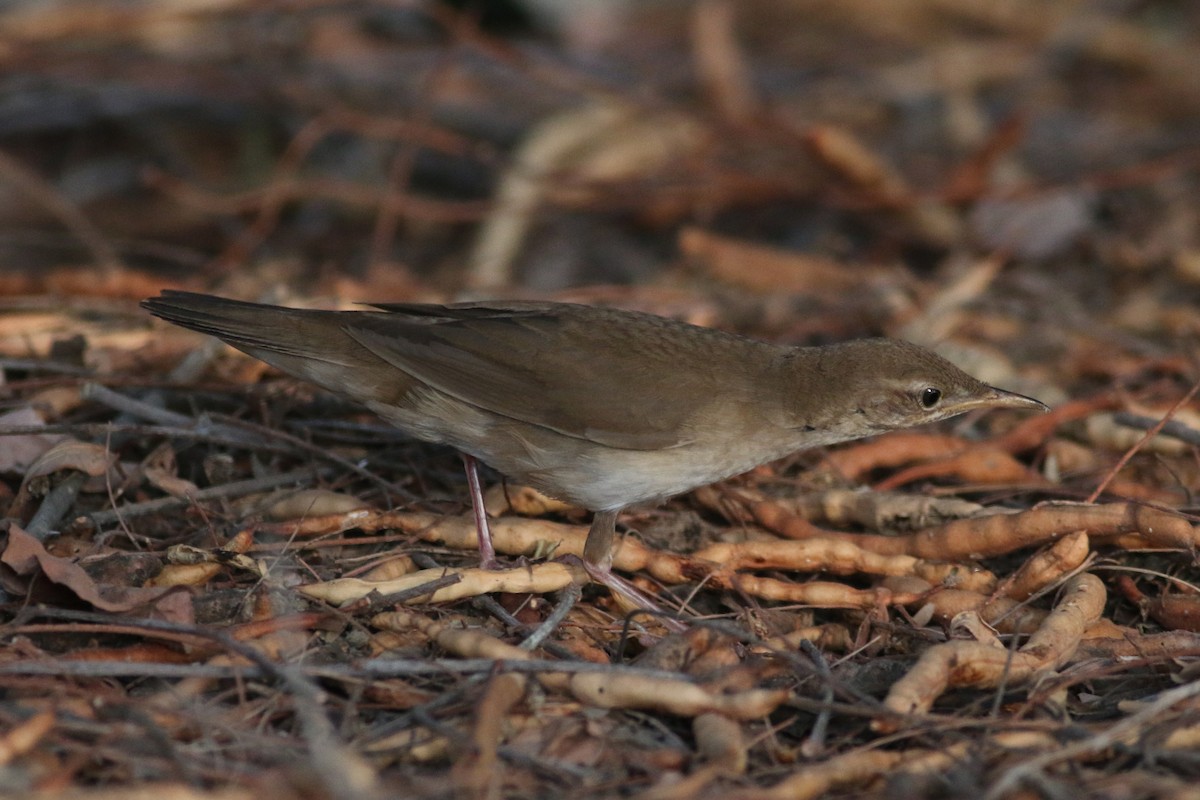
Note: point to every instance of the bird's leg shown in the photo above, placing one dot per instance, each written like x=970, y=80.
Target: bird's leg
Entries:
x=597, y=550
x=597, y=562
x=487, y=551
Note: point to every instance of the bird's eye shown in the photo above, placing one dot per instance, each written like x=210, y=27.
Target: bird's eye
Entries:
x=930, y=397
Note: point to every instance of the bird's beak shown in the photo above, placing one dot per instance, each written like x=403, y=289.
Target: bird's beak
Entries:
x=999, y=398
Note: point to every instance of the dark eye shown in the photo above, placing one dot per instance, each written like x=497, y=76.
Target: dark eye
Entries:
x=930, y=397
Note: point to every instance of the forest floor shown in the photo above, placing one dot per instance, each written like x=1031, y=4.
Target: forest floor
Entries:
x=217, y=581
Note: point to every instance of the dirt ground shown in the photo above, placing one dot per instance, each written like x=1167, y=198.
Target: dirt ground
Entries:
x=217, y=581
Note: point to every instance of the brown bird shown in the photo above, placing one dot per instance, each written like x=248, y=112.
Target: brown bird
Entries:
x=599, y=407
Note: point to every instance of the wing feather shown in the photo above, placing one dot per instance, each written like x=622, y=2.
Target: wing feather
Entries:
x=534, y=363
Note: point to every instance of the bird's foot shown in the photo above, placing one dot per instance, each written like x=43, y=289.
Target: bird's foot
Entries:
x=627, y=592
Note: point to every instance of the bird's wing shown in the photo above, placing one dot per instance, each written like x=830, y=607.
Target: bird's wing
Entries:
x=588, y=373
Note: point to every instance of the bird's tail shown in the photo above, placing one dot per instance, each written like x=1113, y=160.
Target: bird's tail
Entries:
x=309, y=344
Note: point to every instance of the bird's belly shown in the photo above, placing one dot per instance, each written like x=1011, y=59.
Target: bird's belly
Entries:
x=606, y=478
x=616, y=479
x=580, y=471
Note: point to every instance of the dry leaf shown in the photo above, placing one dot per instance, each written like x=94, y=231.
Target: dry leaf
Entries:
x=91, y=459
x=25, y=555
x=19, y=452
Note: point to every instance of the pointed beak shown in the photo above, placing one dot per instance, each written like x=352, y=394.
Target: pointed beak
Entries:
x=999, y=398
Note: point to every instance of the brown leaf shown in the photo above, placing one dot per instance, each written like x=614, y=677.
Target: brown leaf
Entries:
x=173, y=485
x=92, y=459
x=25, y=554
x=19, y=452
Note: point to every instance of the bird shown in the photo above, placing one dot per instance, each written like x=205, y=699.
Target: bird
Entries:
x=600, y=407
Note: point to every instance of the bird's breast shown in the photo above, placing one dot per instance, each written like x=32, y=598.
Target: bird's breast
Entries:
x=584, y=472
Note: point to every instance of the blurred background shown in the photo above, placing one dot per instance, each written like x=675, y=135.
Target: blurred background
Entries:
x=1012, y=169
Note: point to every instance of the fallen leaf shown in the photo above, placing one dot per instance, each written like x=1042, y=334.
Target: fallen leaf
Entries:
x=25, y=555
x=92, y=459
x=19, y=452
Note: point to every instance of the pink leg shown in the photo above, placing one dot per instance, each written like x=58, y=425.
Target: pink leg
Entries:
x=597, y=561
x=635, y=596
x=487, y=552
